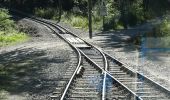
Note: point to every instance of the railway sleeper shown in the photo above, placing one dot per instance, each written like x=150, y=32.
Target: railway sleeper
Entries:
x=157, y=97
x=82, y=98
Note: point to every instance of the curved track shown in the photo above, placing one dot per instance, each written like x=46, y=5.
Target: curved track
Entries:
x=100, y=76
x=142, y=86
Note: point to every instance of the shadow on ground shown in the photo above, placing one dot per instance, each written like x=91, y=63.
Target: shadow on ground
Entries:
x=119, y=39
x=23, y=71
x=125, y=39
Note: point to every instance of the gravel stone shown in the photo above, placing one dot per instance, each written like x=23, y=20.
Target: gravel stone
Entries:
x=34, y=67
x=116, y=44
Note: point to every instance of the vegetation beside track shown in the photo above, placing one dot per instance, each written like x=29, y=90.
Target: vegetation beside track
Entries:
x=9, y=34
x=121, y=14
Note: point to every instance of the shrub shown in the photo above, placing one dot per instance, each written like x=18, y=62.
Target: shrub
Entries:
x=165, y=27
x=7, y=38
x=8, y=33
x=5, y=22
x=77, y=21
x=48, y=13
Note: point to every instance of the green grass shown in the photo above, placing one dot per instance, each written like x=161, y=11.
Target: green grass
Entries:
x=48, y=13
x=81, y=22
x=165, y=27
x=11, y=38
x=75, y=20
x=9, y=34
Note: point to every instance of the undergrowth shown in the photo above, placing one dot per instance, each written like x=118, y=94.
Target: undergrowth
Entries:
x=9, y=34
x=12, y=37
x=48, y=13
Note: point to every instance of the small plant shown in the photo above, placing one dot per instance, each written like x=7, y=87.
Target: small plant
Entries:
x=79, y=21
x=48, y=13
x=5, y=22
x=8, y=32
x=165, y=27
x=76, y=21
x=12, y=37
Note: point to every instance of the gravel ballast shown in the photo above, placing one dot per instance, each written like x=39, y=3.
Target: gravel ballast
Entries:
x=34, y=68
x=116, y=44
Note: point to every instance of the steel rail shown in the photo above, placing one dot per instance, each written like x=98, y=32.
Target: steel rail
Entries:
x=107, y=73
x=106, y=60
x=126, y=67
x=79, y=58
x=105, y=66
x=74, y=74
x=120, y=63
x=139, y=74
x=77, y=68
x=103, y=70
x=79, y=54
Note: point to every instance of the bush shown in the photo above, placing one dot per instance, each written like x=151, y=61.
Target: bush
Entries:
x=161, y=34
x=165, y=27
x=136, y=13
x=162, y=29
x=8, y=33
x=7, y=38
x=77, y=21
x=5, y=22
x=48, y=13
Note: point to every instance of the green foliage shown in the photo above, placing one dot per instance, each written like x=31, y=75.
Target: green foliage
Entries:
x=162, y=29
x=113, y=15
x=76, y=21
x=48, y=13
x=165, y=27
x=161, y=33
x=5, y=22
x=118, y=26
x=12, y=37
x=79, y=21
x=8, y=32
x=136, y=12
x=128, y=12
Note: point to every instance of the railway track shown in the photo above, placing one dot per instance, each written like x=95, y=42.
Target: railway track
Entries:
x=97, y=75
x=142, y=86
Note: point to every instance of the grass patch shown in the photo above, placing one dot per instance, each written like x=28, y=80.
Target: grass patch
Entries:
x=75, y=20
x=165, y=26
x=81, y=22
x=11, y=38
x=9, y=34
x=48, y=13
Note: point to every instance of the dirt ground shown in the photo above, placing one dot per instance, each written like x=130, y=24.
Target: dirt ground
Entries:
x=31, y=70
x=154, y=64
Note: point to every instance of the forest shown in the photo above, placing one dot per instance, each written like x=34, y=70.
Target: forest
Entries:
x=36, y=54
x=121, y=14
